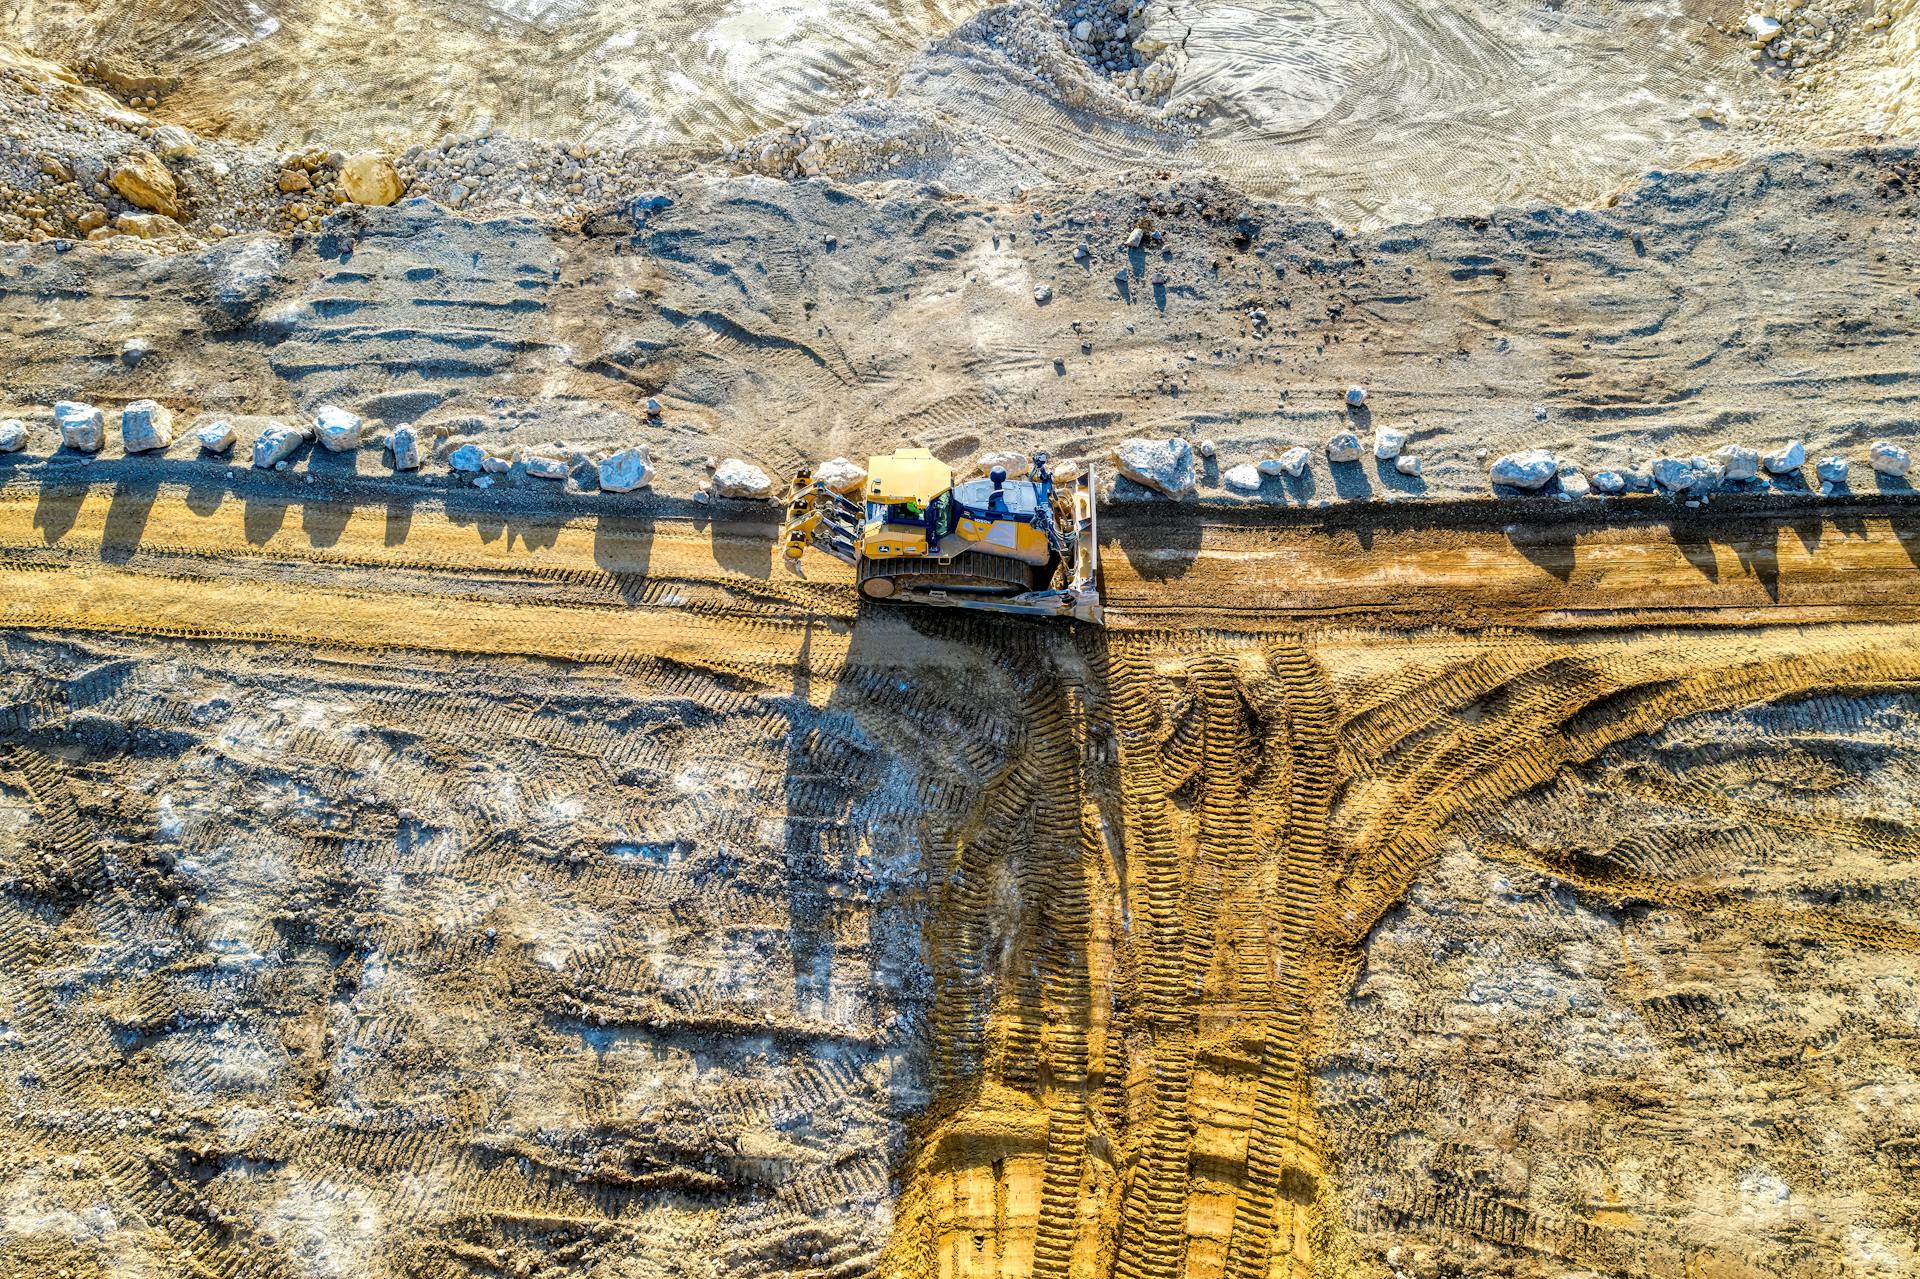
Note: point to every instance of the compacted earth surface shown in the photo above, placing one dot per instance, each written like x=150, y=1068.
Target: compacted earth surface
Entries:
x=438, y=838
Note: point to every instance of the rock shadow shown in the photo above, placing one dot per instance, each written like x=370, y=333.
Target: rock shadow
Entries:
x=1697, y=547
x=1393, y=481
x=1758, y=551
x=206, y=492
x=126, y=523
x=748, y=549
x=1548, y=546
x=1350, y=481
x=1906, y=530
x=494, y=522
x=1160, y=540
x=262, y=516
x=57, y=509
x=623, y=548
x=324, y=522
x=399, y=518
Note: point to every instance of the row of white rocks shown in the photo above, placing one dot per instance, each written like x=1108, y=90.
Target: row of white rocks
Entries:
x=1170, y=466
x=1534, y=469
x=147, y=426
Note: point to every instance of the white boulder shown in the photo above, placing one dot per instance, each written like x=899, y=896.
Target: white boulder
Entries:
x=1574, y=486
x=1356, y=396
x=339, y=430
x=1674, y=473
x=1243, y=477
x=1832, y=470
x=1761, y=27
x=735, y=478
x=1166, y=466
x=404, y=444
x=1407, y=464
x=1889, y=458
x=468, y=459
x=627, y=470
x=13, y=435
x=542, y=467
x=1738, y=461
x=1343, y=447
x=1788, y=460
x=216, y=436
x=1206, y=448
x=1608, y=482
x=145, y=425
x=83, y=428
x=496, y=463
x=275, y=444
x=1528, y=470
x=1291, y=463
x=1387, y=443
x=842, y=475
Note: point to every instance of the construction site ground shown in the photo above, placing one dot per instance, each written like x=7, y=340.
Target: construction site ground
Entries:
x=469, y=854
x=397, y=883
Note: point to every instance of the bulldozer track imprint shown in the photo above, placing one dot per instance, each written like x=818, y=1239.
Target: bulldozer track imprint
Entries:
x=447, y=893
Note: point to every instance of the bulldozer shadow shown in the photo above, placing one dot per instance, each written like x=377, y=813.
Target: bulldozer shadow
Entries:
x=745, y=549
x=1159, y=545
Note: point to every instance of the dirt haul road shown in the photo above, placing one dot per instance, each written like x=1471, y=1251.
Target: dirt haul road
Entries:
x=182, y=562
x=429, y=889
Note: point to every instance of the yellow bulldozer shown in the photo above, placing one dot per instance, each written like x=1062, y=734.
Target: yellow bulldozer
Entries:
x=1027, y=546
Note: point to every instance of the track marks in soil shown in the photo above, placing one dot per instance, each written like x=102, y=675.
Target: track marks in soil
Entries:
x=1276, y=796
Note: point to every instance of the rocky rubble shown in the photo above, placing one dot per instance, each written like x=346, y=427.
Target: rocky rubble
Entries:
x=841, y=475
x=404, y=443
x=467, y=458
x=1245, y=478
x=1529, y=471
x=1344, y=446
x=1787, y=461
